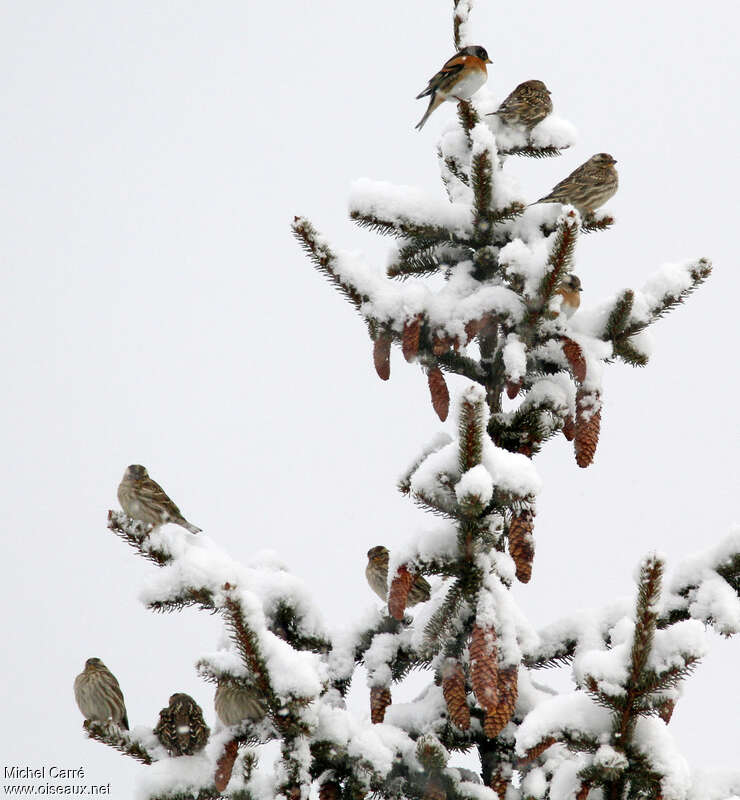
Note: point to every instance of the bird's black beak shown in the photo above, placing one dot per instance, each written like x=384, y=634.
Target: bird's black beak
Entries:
x=488, y=61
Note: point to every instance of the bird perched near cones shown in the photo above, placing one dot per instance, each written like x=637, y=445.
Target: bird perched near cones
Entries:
x=181, y=729
x=99, y=696
x=376, y=573
x=144, y=499
x=588, y=187
x=527, y=105
x=234, y=703
x=570, y=290
x=459, y=79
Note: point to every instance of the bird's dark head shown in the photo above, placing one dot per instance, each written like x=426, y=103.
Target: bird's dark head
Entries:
x=93, y=663
x=603, y=159
x=478, y=52
x=572, y=283
x=135, y=472
x=378, y=553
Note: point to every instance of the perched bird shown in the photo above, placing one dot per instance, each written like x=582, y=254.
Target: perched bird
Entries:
x=144, y=499
x=235, y=703
x=459, y=79
x=589, y=186
x=376, y=573
x=99, y=696
x=181, y=728
x=570, y=290
x=527, y=105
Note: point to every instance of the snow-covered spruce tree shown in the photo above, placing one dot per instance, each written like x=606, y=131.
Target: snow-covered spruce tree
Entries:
x=495, y=320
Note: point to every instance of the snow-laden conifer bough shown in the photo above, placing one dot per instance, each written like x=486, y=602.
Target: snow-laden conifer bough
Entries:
x=495, y=321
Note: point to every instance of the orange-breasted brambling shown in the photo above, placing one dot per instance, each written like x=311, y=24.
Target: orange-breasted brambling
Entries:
x=570, y=290
x=459, y=79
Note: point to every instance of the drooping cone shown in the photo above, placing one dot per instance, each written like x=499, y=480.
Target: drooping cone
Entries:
x=569, y=428
x=508, y=691
x=484, y=666
x=500, y=784
x=382, y=356
x=329, y=791
x=475, y=326
x=577, y=362
x=434, y=790
x=453, y=688
x=399, y=592
x=539, y=749
x=380, y=699
x=513, y=388
x=666, y=710
x=521, y=544
x=440, y=345
x=410, y=340
x=588, y=425
x=225, y=765
x=439, y=392
x=583, y=791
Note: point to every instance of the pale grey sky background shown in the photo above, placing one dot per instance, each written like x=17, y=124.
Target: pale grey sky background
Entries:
x=155, y=309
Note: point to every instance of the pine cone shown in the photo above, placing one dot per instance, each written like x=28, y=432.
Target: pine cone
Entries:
x=508, y=690
x=521, y=544
x=513, y=388
x=382, y=356
x=225, y=765
x=539, y=749
x=410, y=341
x=441, y=345
x=434, y=790
x=666, y=710
x=380, y=699
x=588, y=425
x=439, y=392
x=577, y=362
x=583, y=791
x=499, y=784
x=484, y=667
x=569, y=428
x=399, y=592
x=329, y=791
x=453, y=688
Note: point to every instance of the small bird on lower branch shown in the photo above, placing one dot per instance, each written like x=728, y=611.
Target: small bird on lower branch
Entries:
x=99, y=696
x=376, y=573
x=181, y=729
x=234, y=703
x=527, y=105
x=144, y=499
x=570, y=290
x=588, y=187
x=460, y=78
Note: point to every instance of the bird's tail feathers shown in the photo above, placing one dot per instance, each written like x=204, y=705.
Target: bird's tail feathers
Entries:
x=188, y=526
x=434, y=103
x=425, y=93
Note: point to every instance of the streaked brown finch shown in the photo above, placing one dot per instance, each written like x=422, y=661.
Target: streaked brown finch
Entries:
x=234, y=703
x=99, y=696
x=527, y=105
x=181, y=728
x=588, y=187
x=144, y=499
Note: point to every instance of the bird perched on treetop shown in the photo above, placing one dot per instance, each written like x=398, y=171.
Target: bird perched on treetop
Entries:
x=459, y=79
x=589, y=186
x=181, y=728
x=570, y=290
x=99, y=696
x=376, y=573
x=527, y=105
x=144, y=499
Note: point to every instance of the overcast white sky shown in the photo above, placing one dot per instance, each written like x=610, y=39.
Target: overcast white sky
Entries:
x=157, y=310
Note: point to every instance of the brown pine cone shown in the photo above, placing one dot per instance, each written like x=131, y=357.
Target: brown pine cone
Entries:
x=583, y=791
x=225, y=765
x=453, y=688
x=588, y=425
x=508, y=690
x=521, y=544
x=499, y=783
x=441, y=345
x=513, y=388
x=380, y=699
x=484, y=667
x=539, y=749
x=399, y=592
x=439, y=392
x=410, y=340
x=569, y=428
x=329, y=791
x=666, y=710
x=382, y=356
x=577, y=362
